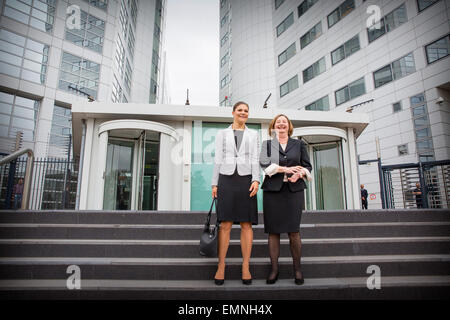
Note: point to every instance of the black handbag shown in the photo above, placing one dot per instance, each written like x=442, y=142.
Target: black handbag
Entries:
x=208, y=239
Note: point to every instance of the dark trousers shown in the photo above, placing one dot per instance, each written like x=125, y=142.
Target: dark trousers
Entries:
x=364, y=204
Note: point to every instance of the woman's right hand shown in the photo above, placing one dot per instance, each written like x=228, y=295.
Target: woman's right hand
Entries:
x=292, y=170
x=214, y=192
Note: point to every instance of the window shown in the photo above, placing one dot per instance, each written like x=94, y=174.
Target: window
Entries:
x=423, y=4
x=224, y=60
x=289, y=86
x=278, y=3
x=23, y=58
x=224, y=39
x=60, y=131
x=311, y=35
x=78, y=75
x=321, y=105
x=340, y=12
x=344, y=51
x=388, y=23
x=314, y=70
x=397, y=107
x=37, y=14
x=438, y=49
x=286, y=54
x=224, y=20
x=222, y=3
x=305, y=6
x=90, y=35
x=224, y=81
x=424, y=142
x=395, y=70
x=102, y=4
x=283, y=26
x=351, y=91
x=402, y=149
x=17, y=114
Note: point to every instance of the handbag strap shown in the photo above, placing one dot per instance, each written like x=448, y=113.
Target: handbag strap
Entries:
x=208, y=220
x=269, y=148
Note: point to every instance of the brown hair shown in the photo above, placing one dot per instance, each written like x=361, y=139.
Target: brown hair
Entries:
x=272, y=125
x=238, y=104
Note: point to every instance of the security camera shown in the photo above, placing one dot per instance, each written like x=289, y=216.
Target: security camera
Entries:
x=439, y=100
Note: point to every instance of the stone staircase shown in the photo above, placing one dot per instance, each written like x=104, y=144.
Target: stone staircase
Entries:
x=154, y=255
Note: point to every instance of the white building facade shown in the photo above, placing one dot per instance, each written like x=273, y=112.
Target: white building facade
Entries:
x=56, y=52
x=389, y=59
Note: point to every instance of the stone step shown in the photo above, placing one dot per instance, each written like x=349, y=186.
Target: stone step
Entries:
x=189, y=248
x=197, y=217
x=398, y=287
x=192, y=232
x=205, y=268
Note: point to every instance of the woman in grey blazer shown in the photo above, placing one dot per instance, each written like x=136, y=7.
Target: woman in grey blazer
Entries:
x=286, y=163
x=235, y=184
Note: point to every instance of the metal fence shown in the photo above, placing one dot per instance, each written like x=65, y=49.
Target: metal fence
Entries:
x=417, y=185
x=53, y=185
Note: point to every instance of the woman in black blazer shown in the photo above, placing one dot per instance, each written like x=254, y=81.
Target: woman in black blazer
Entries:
x=286, y=164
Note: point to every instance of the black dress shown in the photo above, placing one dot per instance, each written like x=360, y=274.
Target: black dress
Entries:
x=233, y=196
x=283, y=202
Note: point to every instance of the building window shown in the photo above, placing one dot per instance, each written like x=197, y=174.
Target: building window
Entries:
x=22, y=57
x=37, y=14
x=225, y=80
x=222, y=3
x=314, y=70
x=102, y=4
x=224, y=20
x=322, y=104
x=289, y=86
x=438, y=49
x=286, y=54
x=388, y=23
x=305, y=6
x=424, y=143
x=117, y=92
x=78, y=75
x=346, y=50
x=397, y=107
x=224, y=60
x=340, y=12
x=283, y=26
x=351, y=91
x=395, y=70
x=311, y=35
x=60, y=132
x=17, y=114
x=402, y=149
x=224, y=39
x=278, y=3
x=423, y=4
x=127, y=76
x=90, y=35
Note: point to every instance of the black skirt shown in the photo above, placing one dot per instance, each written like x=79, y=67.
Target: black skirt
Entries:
x=233, y=199
x=282, y=210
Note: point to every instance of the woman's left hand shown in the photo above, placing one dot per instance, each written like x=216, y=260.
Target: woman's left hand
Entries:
x=295, y=177
x=254, y=188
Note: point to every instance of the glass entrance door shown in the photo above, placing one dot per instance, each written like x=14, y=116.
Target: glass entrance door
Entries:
x=118, y=175
x=150, y=175
x=328, y=176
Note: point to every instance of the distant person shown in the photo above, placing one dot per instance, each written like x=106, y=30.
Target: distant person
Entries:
x=18, y=192
x=418, y=193
x=364, y=197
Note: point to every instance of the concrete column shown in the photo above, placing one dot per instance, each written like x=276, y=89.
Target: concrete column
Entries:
x=84, y=189
x=186, y=170
x=353, y=167
x=99, y=175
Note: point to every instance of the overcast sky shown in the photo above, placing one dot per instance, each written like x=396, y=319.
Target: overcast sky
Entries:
x=192, y=48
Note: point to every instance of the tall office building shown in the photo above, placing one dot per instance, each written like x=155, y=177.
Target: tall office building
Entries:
x=55, y=52
x=389, y=59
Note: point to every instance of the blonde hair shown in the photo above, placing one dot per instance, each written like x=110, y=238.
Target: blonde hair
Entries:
x=272, y=125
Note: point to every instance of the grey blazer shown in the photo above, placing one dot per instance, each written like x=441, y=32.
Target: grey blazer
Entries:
x=227, y=157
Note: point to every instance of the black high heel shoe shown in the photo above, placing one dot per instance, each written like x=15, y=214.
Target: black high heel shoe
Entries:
x=219, y=282
x=272, y=281
x=300, y=280
x=247, y=281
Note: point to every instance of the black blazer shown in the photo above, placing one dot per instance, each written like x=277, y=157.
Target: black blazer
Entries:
x=295, y=154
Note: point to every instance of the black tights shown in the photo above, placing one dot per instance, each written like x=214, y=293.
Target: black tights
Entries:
x=296, y=252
